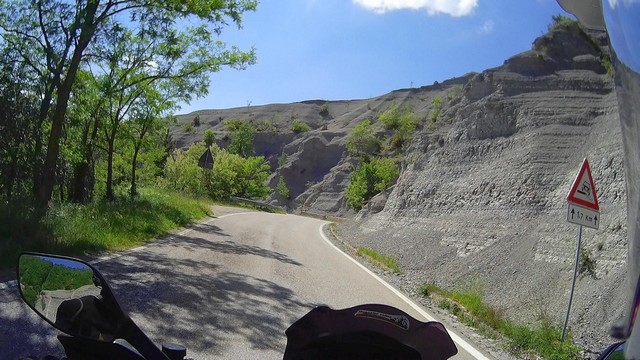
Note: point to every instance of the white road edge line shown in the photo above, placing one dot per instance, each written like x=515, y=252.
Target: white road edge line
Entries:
x=457, y=339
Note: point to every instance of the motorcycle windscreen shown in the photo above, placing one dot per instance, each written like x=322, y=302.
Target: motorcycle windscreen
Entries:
x=366, y=332
x=623, y=27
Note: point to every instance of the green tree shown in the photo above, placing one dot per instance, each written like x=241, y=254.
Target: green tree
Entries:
x=408, y=123
x=242, y=138
x=362, y=140
x=16, y=151
x=209, y=137
x=52, y=38
x=133, y=79
x=86, y=114
x=282, y=188
x=182, y=173
x=369, y=179
x=436, y=108
x=282, y=160
x=390, y=118
x=234, y=175
x=149, y=116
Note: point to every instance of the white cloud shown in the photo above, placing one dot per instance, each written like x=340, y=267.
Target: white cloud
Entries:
x=627, y=3
x=433, y=7
x=487, y=27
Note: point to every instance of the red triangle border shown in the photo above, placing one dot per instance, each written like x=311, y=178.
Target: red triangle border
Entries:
x=574, y=188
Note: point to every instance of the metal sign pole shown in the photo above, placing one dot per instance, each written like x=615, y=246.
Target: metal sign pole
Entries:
x=573, y=285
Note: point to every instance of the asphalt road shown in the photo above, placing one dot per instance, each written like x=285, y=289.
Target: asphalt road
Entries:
x=225, y=288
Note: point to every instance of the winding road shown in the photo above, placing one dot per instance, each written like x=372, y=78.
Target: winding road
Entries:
x=226, y=288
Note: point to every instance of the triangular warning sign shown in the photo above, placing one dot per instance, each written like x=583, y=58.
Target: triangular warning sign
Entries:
x=583, y=190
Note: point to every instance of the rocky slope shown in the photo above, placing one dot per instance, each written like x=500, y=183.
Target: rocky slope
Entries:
x=481, y=196
x=482, y=203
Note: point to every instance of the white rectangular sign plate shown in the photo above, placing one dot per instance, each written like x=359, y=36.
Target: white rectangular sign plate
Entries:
x=583, y=216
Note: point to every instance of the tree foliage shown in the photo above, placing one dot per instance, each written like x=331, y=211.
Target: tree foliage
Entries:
x=362, y=140
x=297, y=126
x=140, y=41
x=282, y=188
x=209, y=137
x=560, y=21
x=390, y=118
x=436, y=109
x=408, y=123
x=369, y=179
x=16, y=149
x=242, y=134
x=232, y=174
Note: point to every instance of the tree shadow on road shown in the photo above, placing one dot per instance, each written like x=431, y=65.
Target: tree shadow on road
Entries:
x=196, y=303
x=23, y=333
x=229, y=247
x=207, y=229
x=177, y=294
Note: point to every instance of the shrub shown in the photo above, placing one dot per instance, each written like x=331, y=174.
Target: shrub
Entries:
x=408, y=124
x=390, y=118
x=209, y=137
x=587, y=264
x=282, y=160
x=282, y=188
x=181, y=171
x=362, y=141
x=196, y=121
x=436, y=108
x=454, y=94
x=560, y=21
x=232, y=174
x=242, y=139
x=298, y=126
x=324, y=111
x=369, y=179
x=188, y=127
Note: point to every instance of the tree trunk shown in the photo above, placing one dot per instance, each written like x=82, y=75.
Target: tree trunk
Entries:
x=134, y=165
x=79, y=185
x=83, y=179
x=11, y=178
x=47, y=177
x=110, y=195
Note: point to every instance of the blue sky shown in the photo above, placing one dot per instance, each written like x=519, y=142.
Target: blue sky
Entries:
x=354, y=49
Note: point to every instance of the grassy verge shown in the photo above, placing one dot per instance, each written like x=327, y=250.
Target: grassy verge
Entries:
x=101, y=226
x=388, y=262
x=541, y=341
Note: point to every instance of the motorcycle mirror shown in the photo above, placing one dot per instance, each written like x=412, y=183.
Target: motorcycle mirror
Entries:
x=71, y=295
x=74, y=297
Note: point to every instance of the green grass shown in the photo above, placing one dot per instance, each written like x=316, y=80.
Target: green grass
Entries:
x=388, y=262
x=75, y=230
x=542, y=340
